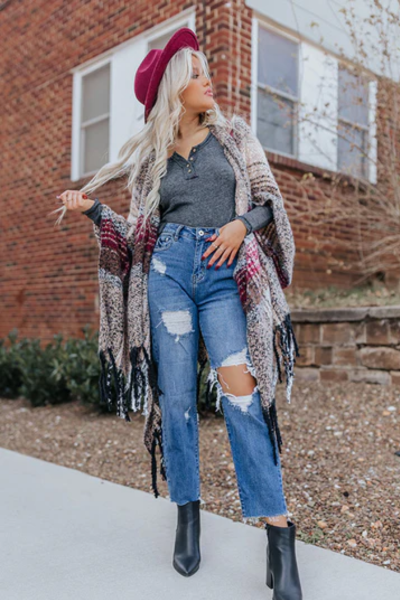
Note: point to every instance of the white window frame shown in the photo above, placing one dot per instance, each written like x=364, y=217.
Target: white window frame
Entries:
x=256, y=24
x=137, y=45
x=331, y=162
x=318, y=111
x=78, y=134
x=355, y=125
x=373, y=140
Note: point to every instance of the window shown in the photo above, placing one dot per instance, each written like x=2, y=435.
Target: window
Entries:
x=277, y=91
x=353, y=122
x=95, y=119
x=309, y=106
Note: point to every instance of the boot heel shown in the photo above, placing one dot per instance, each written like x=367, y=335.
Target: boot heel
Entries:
x=269, y=572
x=269, y=576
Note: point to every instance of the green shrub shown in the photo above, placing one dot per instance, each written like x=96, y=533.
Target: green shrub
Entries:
x=43, y=381
x=81, y=368
x=62, y=371
x=10, y=373
x=59, y=372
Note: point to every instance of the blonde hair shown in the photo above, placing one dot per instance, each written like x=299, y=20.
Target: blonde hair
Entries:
x=159, y=133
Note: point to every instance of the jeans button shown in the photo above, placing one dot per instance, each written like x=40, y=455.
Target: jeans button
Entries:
x=201, y=232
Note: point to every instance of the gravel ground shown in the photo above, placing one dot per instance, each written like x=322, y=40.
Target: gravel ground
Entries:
x=340, y=472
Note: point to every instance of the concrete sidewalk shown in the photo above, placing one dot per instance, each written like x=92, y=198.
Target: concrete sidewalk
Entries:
x=66, y=535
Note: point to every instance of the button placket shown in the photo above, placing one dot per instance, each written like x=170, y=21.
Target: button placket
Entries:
x=189, y=164
x=190, y=170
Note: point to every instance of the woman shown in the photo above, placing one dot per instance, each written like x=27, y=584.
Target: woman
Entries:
x=201, y=260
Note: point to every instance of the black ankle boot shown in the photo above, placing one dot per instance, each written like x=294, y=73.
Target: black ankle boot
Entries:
x=187, y=547
x=282, y=572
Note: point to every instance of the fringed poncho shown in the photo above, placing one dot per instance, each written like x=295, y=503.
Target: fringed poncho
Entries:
x=264, y=268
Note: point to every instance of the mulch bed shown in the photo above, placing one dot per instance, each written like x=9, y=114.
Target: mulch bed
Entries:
x=340, y=470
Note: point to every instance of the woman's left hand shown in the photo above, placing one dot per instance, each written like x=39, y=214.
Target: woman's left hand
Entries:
x=229, y=241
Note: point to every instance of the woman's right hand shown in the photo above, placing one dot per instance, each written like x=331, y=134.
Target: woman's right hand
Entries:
x=75, y=200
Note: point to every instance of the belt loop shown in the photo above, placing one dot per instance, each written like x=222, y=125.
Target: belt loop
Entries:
x=176, y=233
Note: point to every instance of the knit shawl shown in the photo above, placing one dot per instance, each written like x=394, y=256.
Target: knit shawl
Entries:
x=264, y=268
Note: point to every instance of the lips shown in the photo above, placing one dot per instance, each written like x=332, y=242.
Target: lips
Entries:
x=209, y=93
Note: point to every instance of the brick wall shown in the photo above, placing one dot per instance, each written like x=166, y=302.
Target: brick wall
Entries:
x=48, y=276
x=349, y=344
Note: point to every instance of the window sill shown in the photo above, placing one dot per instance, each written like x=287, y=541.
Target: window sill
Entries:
x=293, y=163
x=282, y=160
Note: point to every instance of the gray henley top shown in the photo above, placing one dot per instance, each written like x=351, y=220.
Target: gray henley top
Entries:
x=200, y=191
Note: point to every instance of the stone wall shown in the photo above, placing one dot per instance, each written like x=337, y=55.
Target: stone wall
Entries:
x=348, y=344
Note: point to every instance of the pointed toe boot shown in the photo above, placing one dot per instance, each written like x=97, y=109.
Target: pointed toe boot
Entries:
x=282, y=571
x=187, y=543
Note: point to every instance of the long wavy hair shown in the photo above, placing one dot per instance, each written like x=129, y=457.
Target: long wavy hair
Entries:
x=159, y=133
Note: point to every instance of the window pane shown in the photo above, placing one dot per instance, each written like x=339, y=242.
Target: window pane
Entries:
x=351, y=159
x=277, y=61
x=96, y=93
x=96, y=144
x=353, y=97
x=275, y=122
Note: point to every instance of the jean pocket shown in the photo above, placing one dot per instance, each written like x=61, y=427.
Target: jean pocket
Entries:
x=164, y=241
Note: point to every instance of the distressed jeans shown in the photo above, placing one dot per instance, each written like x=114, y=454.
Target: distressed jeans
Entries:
x=184, y=297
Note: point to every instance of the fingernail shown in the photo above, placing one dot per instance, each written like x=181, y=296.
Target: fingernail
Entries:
x=217, y=267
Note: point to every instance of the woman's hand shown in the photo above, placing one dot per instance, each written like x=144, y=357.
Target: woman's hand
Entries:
x=75, y=200
x=229, y=241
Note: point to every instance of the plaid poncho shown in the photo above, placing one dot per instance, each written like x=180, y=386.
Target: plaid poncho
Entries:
x=264, y=268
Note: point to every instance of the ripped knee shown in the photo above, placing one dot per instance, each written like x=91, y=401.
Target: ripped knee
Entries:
x=235, y=380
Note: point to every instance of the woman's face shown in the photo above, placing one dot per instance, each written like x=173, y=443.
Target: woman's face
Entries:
x=197, y=97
